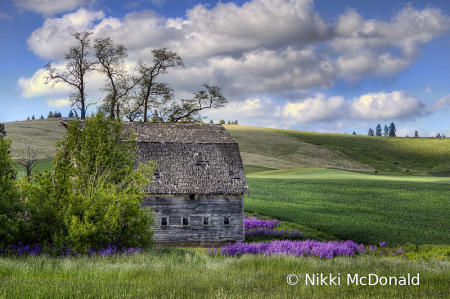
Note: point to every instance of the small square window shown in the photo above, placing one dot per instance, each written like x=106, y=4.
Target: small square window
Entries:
x=185, y=221
x=206, y=221
x=191, y=196
x=164, y=221
x=226, y=220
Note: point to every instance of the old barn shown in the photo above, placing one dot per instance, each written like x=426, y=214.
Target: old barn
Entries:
x=198, y=188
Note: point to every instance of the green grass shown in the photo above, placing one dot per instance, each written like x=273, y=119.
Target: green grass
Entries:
x=179, y=273
x=421, y=156
x=249, y=169
x=364, y=209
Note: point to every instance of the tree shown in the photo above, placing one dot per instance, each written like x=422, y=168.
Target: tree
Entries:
x=155, y=116
x=416, y=134
x=235, y=122
x=93, y=195
x=443, y=135
x=228, y=122
x=28, y=159
x=50, y=115
x=221, y=122
x=189, y=110
x=42, y=117
x=111, y=60
x=354, y=133
x=211, y=121
x=28, y=118
x=162, y=61
x=378, y=130
x=33, y=118
x=2, y=130
x=438, y=135
x=392, y=130
x=11, y=208
x=407, y=136
x=77, y=67
x=371, y=133
x=71, y=113
x=57, y=114
x=386, y=131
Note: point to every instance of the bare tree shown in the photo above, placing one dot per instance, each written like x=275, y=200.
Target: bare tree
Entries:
x=111, y=60
x=28, y=159
x=162, y=61
x=77, y=67
x=188, y=111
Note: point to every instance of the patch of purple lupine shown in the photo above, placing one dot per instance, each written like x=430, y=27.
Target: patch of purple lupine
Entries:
x=293, y=248
x=250, y=223
x=110, y=250
x=272, y=232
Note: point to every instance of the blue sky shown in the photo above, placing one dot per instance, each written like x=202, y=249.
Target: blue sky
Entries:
x=323, y=66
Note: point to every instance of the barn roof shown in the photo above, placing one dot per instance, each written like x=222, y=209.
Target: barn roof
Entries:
x=191, y=158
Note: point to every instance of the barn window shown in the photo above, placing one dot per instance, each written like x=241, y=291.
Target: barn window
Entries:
x=184, y=221
x=191, y=196
x=164, y=221
x=206, y=221
x=226, y=220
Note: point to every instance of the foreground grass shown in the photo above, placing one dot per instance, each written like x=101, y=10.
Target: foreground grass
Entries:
x=366, y=210
x=182, y=273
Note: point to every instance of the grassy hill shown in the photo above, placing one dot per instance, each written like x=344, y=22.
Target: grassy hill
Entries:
x=265, y=149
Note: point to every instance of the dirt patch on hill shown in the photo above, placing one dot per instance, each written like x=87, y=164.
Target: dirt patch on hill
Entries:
x=263, y=147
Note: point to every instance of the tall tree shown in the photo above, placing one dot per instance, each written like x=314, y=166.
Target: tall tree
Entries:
x=162, y=61
x=438, y=135
x=370, y=132
x=378, y=130
x=50, y=115
x=29, y=157
x=33, y=118
x=77, y=67
x=42, y=117
x=416, y=134
x=386, y=131
x=392, y=130
x=111, y=58
x=189, y=110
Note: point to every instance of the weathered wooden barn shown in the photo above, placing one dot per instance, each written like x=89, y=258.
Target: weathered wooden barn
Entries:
x=198, y=188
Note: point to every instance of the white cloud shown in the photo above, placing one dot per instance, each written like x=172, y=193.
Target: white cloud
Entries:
x=63, y=102
x=439, y=104
x=315, y=109
x=261, y=48
x=51, y=7
x=386, y=106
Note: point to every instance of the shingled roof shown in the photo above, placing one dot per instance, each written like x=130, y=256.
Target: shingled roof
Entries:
x=191, y=158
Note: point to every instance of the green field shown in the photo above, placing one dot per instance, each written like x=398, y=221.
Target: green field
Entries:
x=328, y=186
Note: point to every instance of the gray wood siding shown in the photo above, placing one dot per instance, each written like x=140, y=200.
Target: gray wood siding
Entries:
x=214, y=206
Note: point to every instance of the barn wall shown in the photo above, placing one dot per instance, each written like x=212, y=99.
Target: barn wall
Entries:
x=215, y=206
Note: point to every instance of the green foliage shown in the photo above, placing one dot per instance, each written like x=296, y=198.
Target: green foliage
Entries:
x=11, y=224
x=2, y=130
x=92, y=197
x=222, y=122
x=211, y=121
x=392, y=130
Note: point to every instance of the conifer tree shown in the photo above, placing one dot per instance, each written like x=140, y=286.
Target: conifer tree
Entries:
x=50, y=115
x=211, y=121
x=378, y=130
x=392, y=130
x=33, y=118
x=371, y=133
x=386, y=131
x=416, y=134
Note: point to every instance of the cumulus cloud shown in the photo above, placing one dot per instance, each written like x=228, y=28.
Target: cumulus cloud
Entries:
x=51, y=7
x=263, y=50
x=394, y=105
